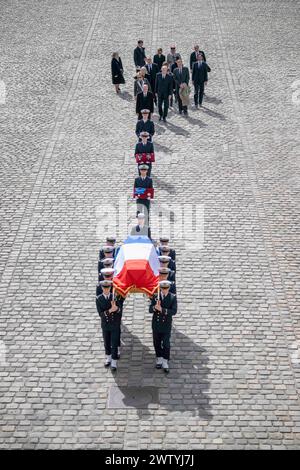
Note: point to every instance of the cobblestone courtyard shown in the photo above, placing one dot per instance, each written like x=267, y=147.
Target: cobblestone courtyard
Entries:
x=66, y=145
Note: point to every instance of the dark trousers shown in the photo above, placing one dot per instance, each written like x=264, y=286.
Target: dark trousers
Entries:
x=148, y=171
x=199, y=92
x=111, y=340
x=161, y=342
x=163, y=106
x=180, y=106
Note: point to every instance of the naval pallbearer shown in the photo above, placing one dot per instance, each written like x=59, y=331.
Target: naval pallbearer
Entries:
x=110, y=308
x=143, y=188
x=144, y=152
x=164, y=307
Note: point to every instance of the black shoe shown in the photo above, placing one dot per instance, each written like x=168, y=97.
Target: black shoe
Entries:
x=180, y=112
x=166, y=371
x=119, y=356
x=160, y=118
x=113, y=369
x=165, y=119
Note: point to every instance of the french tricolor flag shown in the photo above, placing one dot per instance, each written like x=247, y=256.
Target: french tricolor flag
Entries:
x=136, y=267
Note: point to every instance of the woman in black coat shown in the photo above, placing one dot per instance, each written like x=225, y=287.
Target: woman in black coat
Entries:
x=117, y=71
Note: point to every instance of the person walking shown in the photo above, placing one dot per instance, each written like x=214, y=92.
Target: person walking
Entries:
x=139, y=83
x=163, y=90
x=144, y=100
x=164, y=307
x=199, y=78
x=109, y=308
x=181, y=76
x=139, y=54
x=159, y=58
x=117, y=71
x=152, y=71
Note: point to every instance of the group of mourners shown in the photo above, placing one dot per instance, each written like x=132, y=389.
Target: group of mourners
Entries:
x=156, y=83
x=160, y=80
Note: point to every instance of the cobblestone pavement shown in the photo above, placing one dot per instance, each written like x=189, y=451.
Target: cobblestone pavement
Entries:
x=66, y=139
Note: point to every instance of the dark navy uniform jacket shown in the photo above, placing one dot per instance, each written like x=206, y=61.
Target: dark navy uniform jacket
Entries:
x=141, y=148
x=109, y=320
x=172, y=253
x=162, y=321
x=140, y=183
x=145, y=126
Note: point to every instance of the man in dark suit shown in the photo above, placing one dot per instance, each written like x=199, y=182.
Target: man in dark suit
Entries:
x=110, y=311
x=143, y=181
x=152, y=71
x=181, y=75
x=145, y=125
x=199, y=78
x=163, y=90
x=159, y=59
x=139, y=54
x=145, y=146
x=144, y=100
x=163, y=307
x=193, y=57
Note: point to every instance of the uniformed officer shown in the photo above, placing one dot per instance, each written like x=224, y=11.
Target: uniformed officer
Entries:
x=145, y=124
x=143, y=181
x=107, y=252
x=110, y=241
x=167, y=262
x=145, y=146
x=141, y=228
x=110, y=312
x=164, y=241
x=165, y=250
x=106, y=273
x=163, y=307
x=166, y=274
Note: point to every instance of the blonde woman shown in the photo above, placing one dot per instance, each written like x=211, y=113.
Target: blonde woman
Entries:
x=117, y=71
x=139, y=83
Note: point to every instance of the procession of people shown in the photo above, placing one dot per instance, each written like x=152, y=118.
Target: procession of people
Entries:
x=156, y=84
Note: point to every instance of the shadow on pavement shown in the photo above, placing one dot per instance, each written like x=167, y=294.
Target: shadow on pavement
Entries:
x=125, y=95
x=212, y=113
x=184, y=389
x=212, y=99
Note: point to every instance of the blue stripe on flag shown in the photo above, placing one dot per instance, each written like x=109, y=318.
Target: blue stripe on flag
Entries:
x=137, y=239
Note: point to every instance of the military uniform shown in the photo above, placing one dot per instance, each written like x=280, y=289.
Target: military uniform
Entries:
x=107, y=249
x=110, y=323
x=145, y=148
x=143, y=183
x=104, y=263
x=162, y=323
x=145, y=126
x=164, y=241
x=169, y=276
x=166, y=261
